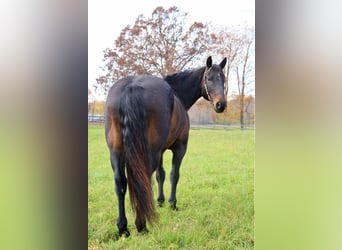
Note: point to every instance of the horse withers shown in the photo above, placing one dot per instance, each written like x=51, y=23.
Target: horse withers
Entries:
x=144, y=116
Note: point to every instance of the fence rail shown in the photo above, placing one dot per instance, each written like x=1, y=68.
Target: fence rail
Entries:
x=221, y=126
x=95, y=118
x=100, y=119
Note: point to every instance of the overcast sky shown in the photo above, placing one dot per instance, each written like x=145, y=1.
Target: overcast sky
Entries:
x=106, y=18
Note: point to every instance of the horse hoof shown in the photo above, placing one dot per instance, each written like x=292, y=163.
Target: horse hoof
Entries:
x=143, y=231
x=173, y=206
x=124, y=232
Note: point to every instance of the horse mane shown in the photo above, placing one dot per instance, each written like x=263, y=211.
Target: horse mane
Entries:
x=186, y=85
x=184, y=77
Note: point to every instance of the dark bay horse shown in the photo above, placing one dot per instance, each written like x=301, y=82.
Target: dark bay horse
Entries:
x=144, y=116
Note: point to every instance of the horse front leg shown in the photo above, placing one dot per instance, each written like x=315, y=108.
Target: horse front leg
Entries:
x=178, y=154
x=120, y=181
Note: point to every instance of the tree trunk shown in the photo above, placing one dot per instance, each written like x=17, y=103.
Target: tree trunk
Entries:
x=242, y=124
x=93, y=112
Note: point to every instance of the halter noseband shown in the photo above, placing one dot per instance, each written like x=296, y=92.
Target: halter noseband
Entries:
x=205, y=84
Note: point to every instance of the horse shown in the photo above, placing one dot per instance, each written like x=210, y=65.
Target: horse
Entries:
x=146, y=115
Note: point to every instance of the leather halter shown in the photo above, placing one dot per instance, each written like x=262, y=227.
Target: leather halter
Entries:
x=204, y=81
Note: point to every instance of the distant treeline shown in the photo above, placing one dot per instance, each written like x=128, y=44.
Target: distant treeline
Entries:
x=203, y=113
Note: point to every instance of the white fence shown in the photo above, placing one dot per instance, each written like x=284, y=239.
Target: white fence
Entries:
x=100, y=119
x=95, y=118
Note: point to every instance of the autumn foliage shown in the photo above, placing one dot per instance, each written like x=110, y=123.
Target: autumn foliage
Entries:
x=203, y=113
x=164, y=43
x=158, y=45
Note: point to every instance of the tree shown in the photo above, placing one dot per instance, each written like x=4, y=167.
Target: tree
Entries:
x=249, y=109
x=244, y=68
x=227, y=42
x=203, y=113
x=89, y=95
x=158, y=45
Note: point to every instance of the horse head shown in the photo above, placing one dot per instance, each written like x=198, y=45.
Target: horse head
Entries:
x=213, y=84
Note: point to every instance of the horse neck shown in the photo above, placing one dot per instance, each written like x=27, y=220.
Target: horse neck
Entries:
x=187, y=86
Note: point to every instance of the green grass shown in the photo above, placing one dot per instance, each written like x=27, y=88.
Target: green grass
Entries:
x=215, y=196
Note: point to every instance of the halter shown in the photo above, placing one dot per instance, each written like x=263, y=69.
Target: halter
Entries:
x=205, y=85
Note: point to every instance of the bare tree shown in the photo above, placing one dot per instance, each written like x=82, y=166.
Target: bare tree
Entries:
x=89, y=95
x=227, y=42
x=244, y=68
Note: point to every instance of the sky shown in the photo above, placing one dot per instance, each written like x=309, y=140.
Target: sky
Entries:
x=106, y=19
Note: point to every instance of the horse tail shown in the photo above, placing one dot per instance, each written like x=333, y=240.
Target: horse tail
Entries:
x=137, y=153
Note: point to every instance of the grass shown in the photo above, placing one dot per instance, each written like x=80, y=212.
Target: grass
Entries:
x=215, y=196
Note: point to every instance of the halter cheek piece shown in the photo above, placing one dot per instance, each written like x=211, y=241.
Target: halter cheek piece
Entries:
x=205, y=84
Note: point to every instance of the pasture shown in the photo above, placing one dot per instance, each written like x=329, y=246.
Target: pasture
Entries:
x=215, y=196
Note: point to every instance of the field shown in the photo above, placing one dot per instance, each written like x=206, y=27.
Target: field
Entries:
x=215, y=196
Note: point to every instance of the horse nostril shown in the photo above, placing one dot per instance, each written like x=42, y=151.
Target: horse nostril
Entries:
x=218, y=105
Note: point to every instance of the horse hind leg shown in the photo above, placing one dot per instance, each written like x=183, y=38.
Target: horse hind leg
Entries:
x=120, y=181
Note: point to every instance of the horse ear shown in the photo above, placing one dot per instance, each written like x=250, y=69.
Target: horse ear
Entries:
x=209, y=62
x=223, y=63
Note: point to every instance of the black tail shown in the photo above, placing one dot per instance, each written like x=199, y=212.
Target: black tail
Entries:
x=135, y=144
